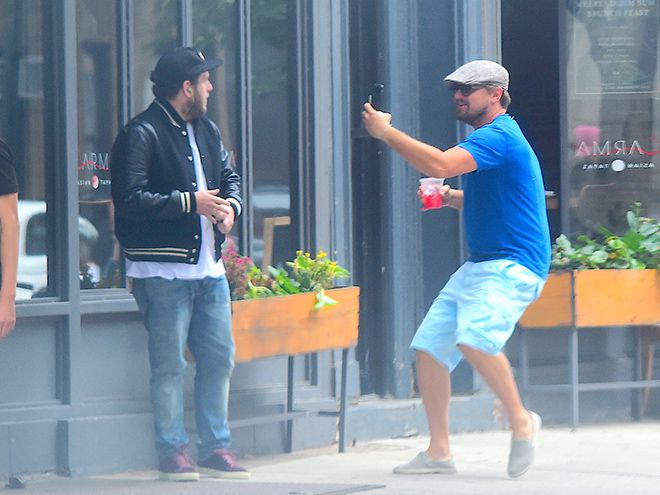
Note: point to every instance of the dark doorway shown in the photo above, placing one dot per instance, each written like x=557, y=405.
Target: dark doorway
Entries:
x=383, y=348
x=365, y=59
x=530, y=51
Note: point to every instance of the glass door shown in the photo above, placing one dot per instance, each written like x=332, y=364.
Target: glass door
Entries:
x=611, y=111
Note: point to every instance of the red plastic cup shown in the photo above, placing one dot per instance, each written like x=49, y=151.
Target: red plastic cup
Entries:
x=432, y=201
x=431, y=188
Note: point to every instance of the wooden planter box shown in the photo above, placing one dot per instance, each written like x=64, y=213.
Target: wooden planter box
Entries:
x=596, y=298
x=593, y=298
x=287, y=325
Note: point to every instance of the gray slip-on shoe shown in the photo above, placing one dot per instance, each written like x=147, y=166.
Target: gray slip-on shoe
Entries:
x=522, y=451
x=423, y=464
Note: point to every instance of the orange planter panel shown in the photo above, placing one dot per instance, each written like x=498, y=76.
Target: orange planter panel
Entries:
x=287, y=325
x=553, y=307
x=601, y=298
x=616, y=297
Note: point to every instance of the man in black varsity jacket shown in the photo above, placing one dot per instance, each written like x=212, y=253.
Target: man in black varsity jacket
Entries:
x=175, y=197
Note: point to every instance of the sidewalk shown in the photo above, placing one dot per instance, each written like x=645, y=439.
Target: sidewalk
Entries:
x=603, y=460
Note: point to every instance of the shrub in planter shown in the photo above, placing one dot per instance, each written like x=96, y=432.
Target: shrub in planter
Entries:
x=637, y=248
x=305, y=273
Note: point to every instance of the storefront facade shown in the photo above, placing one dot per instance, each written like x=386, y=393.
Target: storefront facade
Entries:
x=75, y=370
x=74, y=393
x=585, y=91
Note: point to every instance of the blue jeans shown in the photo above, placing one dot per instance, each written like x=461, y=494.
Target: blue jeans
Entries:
x=196, y=312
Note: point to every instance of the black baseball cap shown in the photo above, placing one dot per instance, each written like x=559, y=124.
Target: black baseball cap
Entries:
x=181, y=64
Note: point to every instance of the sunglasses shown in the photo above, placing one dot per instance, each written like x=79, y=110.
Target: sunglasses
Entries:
x=465, y=89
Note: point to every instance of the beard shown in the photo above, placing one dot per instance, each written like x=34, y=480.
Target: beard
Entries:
x=195, y=108
x=470, y=117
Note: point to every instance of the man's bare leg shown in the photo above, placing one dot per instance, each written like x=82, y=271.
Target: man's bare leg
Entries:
x=435, y=388
x=496, y=371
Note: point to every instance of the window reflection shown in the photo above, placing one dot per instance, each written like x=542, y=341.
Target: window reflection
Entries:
x=23, y=126
x=97, y=127
x=158, y=32
x=215, y=33
x=215, y=29
x=274, y=104
x=612, y=114
x=35, y=235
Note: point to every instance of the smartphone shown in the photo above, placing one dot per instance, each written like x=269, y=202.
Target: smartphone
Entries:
x=374, y=95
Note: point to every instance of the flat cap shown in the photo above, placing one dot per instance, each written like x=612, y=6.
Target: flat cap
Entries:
x=480, y=72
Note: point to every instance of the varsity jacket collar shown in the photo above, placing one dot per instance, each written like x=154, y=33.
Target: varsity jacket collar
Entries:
x=172, y=115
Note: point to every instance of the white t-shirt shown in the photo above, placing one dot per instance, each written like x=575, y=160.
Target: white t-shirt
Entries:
x=206, y=265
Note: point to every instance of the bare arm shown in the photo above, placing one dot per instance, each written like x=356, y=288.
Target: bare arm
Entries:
x=9, y=261
x=453, y=198
x=423, y=157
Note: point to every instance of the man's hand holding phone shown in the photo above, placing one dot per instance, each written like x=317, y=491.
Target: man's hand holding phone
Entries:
x=375, y=122
x=374, y=96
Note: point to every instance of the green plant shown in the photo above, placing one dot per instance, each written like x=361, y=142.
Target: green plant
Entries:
x=273, y=283
x=638, y=248
x=316, y=274
x=305, y=274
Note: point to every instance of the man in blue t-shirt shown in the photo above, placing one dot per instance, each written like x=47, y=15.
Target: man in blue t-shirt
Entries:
x=507, y=231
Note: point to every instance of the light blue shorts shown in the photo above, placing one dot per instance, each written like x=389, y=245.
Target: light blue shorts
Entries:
x=479, y=307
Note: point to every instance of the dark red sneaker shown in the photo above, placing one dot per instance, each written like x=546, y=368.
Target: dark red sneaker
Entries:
x=222, y=464
x=178, y=467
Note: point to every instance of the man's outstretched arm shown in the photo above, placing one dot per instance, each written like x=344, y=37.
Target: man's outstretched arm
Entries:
x=423, y=157
x=9, y=261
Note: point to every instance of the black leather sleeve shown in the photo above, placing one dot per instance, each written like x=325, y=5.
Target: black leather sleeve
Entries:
x=230, y=181
x=131, y=158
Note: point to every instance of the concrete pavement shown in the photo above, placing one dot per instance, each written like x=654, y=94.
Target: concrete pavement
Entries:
x=603, y=459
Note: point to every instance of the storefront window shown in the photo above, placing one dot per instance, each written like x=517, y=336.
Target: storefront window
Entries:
x=23, y=126
x=274, y=112
x=215, y=34
x=612, y=112
x=158, y=21
x=98, y=105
